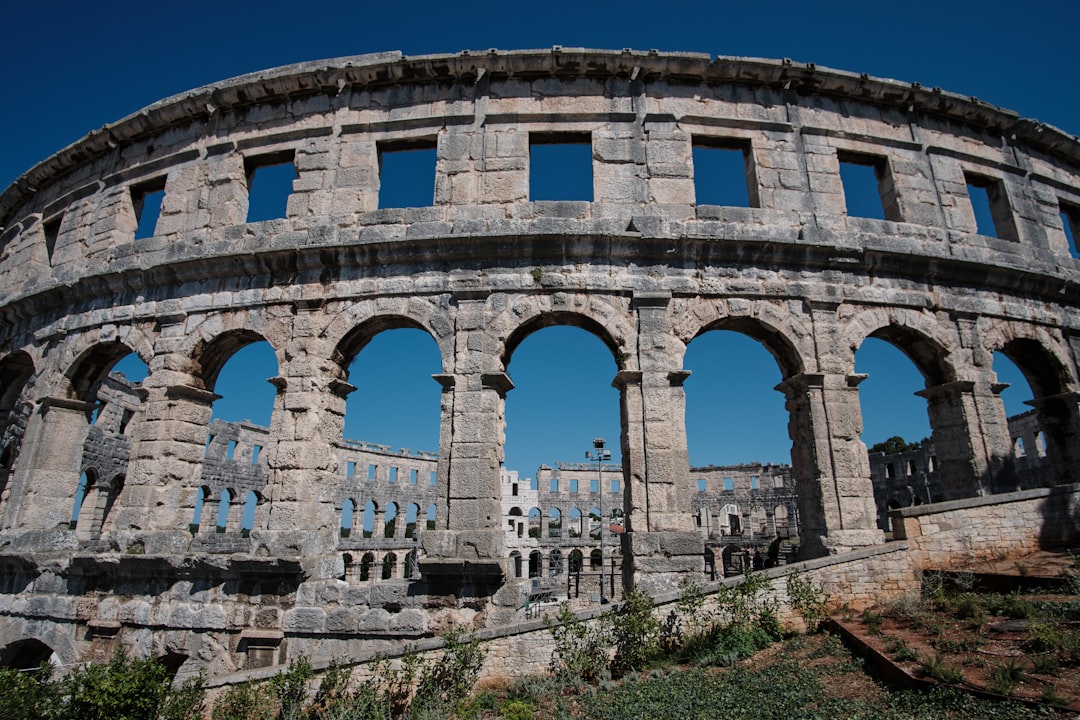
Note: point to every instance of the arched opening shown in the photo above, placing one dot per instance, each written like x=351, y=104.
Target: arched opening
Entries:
x=410, y=564
x=555, y=563
x=348, y=507
x=410, y=520
x=594, y=523
x=390, y=520
x=247, y=518
x=389, y=566
x=896, y=424
x=224, y=501
x=87, y=484
x=562, y=366
x=515, y=559
x=202, y=495
x=105, y=387
x=534, y=523
x=733, y=412
x=595, y=560
x=554, y=523
x=430, y=517
x=535, y=563
x=576, y=562
x=1042, y=418
x=515, y=524
x=366, y=561
x=27, y=655
x=573, y=526
x=370, y=511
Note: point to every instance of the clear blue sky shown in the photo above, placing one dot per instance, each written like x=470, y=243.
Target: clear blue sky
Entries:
x=72, y=67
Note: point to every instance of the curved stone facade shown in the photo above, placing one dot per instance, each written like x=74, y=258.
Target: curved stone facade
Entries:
x=641, y=263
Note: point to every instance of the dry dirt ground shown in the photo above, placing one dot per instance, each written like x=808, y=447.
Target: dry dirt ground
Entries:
x=1021, y=644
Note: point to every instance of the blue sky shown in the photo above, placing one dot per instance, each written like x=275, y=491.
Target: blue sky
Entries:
x=74, y=66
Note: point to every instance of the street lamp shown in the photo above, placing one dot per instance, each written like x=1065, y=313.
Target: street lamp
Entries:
x=600, y=456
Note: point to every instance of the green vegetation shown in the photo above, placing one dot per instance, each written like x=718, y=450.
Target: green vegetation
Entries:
x=626, y=663
x=896, y=444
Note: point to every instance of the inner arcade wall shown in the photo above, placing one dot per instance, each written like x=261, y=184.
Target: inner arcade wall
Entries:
x=641, y=264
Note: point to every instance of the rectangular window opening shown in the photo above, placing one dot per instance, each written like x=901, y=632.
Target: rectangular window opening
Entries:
x=270, y=182
x=231, y=451
x=729, y=484
x=407, y=173
x=615, y=485
x=51, y=229
x=146, y=201
x=1070, y=222
x=753, y=482
x=350, y=469
x=990, y=203
x=701, y=485
x=723, y=172
x=573, y=485
x=414, y=476
x=433, y=479
x=371, y=470
x=594, y=486
x=560, y=166
x=393, y=475
x=869, y=190
x=256, y=450
x=554, y=485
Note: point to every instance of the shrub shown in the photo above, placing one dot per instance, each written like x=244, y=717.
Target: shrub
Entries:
x=122, y=689
x=448, y=680
x=809, y=601
x=635, y=632
x=581, y=648
x=28, y=695
x=246, y=701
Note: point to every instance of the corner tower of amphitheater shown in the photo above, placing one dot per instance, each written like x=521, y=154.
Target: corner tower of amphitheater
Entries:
x=640, y=262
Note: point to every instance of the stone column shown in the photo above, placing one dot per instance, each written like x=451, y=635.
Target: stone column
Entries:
x=45, y=483
x=971, y=443
x=659, y=545
x=468, y=548
x=829, y=463
x=308, y=419
x=1059, y=418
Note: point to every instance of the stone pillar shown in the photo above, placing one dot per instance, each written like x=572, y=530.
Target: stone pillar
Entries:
x=659, y=545
x=308, y=419
x=45, y=483
x=468, y=548
x=1059, y=418
x=971, y=445
x=829, y=463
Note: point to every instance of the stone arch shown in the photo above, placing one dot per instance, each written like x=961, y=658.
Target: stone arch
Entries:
x=533, y=314
x=209, y=355
x=17, y=373
x=363, y=330
x=536, y=562
x=54, y=636
x=785, y=336
x=917, y=334
x=554, y=523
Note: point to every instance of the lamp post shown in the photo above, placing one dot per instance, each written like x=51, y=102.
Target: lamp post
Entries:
x=600, y=456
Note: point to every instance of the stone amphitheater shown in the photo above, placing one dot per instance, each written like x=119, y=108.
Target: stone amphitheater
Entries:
x=640, y=262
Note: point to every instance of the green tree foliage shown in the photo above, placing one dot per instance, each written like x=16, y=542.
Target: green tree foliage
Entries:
x=896, y=444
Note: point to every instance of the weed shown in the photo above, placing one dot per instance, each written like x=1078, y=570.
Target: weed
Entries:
x=936, y=668
x=1051, y=696
x=958, y=645
x=808, y=600
x=872, y=621
x=537, y=274
x=969, y=607
x=901, y=651
x=1045, y=664
x=518, y=709
x=1003, y=679
x=1021, y=568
